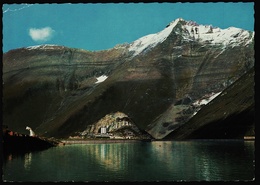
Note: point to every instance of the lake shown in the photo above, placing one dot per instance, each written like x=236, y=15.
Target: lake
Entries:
x=193, y=160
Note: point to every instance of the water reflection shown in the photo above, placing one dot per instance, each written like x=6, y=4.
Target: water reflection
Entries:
x=210, y=160
x=144, y=161
x=27, y=160
x=205, y=168
x=110, y=156
x=10, y=157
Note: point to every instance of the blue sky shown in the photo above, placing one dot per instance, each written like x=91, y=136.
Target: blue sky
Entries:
x=102, y=26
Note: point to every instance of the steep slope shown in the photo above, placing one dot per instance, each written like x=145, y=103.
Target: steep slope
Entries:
x=196, y=67
x=155, y=80
x=230, y=115
x=40, y=82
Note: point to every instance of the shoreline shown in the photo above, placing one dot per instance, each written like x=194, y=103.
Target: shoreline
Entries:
x=99, y=141
x=104, y=141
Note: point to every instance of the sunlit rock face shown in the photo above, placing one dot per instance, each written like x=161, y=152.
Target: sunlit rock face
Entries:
x=161, y=81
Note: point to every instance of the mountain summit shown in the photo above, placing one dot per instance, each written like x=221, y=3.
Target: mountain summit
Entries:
x=190, y=30
x=164, y=82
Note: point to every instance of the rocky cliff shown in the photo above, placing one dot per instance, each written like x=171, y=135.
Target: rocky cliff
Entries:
x=161, y=81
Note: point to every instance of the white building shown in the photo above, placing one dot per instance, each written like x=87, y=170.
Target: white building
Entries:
x=103, y=130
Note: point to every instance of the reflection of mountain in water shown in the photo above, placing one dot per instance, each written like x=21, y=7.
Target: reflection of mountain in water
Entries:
x=195, y=160
x=113, y=157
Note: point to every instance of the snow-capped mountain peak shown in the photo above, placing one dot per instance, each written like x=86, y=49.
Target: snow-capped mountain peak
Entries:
x=149, y=41
x=193, y=31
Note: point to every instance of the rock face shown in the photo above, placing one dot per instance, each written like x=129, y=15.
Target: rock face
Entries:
x=229, y=115
x=161, y=81
x=115, y=125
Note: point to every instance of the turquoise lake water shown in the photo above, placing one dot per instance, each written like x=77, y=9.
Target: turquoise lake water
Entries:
x=197, y=160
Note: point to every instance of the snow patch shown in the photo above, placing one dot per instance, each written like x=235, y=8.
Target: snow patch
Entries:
x=45, y=46
x=251, y=39
x=206, y=100
x=206, y=33
x=101, y=79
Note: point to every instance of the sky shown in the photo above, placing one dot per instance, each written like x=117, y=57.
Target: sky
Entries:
x=102, y=26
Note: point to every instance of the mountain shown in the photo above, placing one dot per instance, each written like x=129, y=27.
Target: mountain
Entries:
x=162, y=82
x=229, y=115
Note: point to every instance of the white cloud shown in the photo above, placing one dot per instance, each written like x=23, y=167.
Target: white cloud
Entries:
x=41, y=34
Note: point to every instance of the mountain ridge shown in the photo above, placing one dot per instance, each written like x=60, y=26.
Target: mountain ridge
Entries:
x=145, y=80
x=223, y=36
